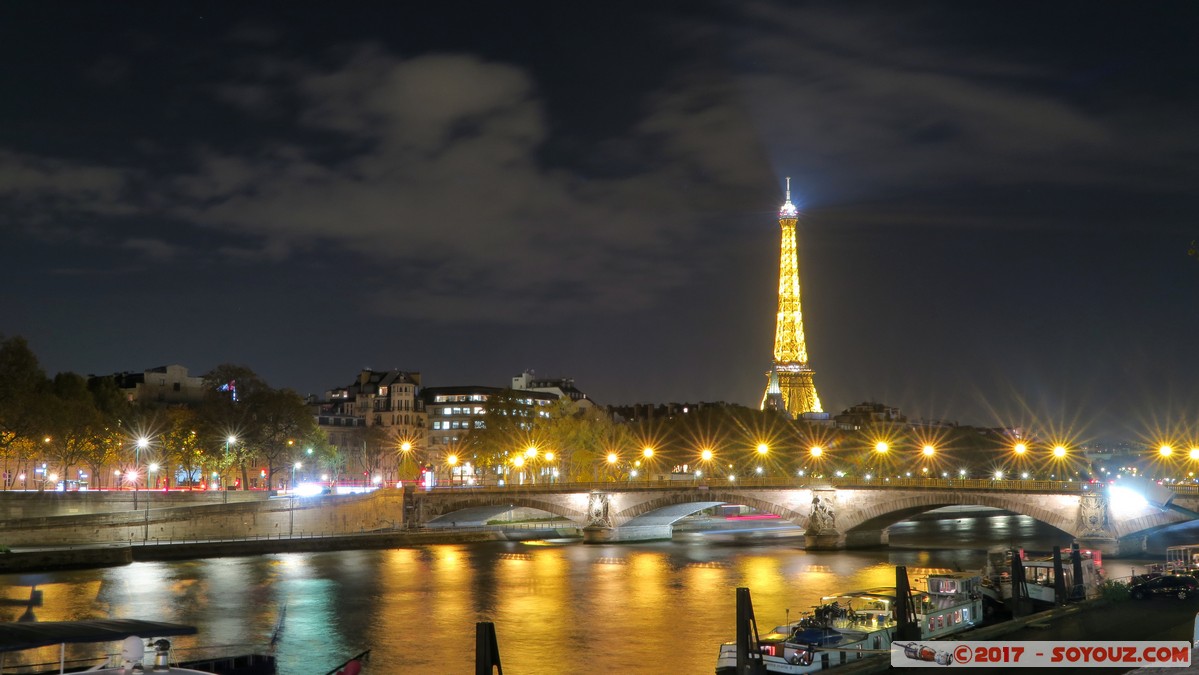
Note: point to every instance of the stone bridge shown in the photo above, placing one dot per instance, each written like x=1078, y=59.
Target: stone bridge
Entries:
x=833, y=516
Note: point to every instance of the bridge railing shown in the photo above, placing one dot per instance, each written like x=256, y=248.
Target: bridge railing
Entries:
x=1070, y=487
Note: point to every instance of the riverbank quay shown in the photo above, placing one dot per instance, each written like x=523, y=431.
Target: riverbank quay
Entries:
x=23, y=560
x=1094, y=620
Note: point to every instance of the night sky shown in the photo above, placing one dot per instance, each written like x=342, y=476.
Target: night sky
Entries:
x=997, y=199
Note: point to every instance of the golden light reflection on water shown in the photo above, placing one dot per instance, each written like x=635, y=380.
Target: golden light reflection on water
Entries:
x=557, y=608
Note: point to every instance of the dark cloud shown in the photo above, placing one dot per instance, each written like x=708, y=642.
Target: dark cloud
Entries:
x=979, y=192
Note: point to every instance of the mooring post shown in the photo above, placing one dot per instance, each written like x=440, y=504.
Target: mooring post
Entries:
x=487, y=650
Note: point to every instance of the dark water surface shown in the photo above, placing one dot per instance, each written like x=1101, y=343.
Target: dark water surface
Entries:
x=558, y=607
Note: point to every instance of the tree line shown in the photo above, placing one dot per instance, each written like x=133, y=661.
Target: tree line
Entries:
x=67, y=426
x=79, y=425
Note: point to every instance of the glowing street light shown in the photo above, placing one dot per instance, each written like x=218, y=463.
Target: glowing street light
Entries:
x=406, y=446
x=1059, y=451
x=816, y=451
x=142, y=444
x=929, y=451
x=1165, y=451
x=706, y=454
x=1194, y=453
x=1020, y=448
x=763, y=448
x=881, y=447
x=452, y=461
x=647, y=453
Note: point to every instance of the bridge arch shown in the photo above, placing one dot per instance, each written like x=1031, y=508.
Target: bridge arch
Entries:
x=669, y=507
x=1061, y=511
x=484, y=505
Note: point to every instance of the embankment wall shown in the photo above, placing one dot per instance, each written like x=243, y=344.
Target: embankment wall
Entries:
x=158, y=521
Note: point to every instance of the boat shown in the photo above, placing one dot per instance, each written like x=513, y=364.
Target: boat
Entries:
x=852, y=625
x=151, y=653
x=1183, y=559
x=1040, y=577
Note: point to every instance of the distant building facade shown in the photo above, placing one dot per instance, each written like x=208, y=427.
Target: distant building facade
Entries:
x=164, y=385
x=867, y=414
x=387, y=399
x=453, y=412
x=640, y=412
x=564, y=387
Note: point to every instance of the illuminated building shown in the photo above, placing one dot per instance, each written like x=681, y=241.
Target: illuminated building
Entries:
x=789, y=384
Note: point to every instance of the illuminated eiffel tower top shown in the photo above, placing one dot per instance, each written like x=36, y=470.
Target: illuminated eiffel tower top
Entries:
x=789, y=383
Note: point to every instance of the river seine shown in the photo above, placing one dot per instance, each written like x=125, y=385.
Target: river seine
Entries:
x=558, y=607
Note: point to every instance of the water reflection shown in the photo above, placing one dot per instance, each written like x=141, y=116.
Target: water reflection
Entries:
x=657, y=607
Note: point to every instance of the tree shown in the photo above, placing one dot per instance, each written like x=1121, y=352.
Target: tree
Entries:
x=75, y=425
x=224, y=414
x=581, y=439
x=180, y=444
x=376, y=446
x=507, y=428
x=23, y=393
x=280, y=419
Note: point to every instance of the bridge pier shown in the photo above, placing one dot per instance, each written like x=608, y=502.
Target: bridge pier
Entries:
x=834, y=540
x=609, y=535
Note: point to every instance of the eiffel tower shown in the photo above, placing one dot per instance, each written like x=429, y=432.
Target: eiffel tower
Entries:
x=789, y=384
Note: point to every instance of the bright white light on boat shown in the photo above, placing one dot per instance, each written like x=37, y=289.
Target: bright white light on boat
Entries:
x=1125, y=499
x=308, y=489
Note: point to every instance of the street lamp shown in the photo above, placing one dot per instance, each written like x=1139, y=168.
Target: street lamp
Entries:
x=229, y=440
x=452, y=461
x=295, y=467
x=531, y=456
x=518, y=462
x=142, y=443
x=153, y=470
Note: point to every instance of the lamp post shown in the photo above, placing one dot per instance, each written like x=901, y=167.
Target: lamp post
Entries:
x=229, y=440
x=153, y=472
x=531, y=455
x=294, y=468
x=452, y=461
x=142, y=443
x=519, y=462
